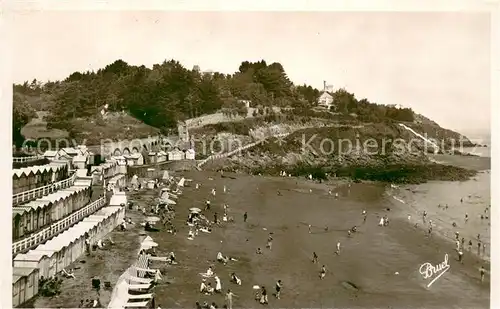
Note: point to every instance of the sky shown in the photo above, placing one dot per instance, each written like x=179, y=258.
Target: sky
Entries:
x=437, y=63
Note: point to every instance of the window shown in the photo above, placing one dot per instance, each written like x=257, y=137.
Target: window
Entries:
x=15, y=289
x=31, y=278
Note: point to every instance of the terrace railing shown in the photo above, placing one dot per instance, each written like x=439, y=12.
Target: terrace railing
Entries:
x=27, y=159
x=26, y=196
x=57, y=227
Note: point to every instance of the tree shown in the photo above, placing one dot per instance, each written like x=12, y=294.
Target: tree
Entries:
x=22, y=113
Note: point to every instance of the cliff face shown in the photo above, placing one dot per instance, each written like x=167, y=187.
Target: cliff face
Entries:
x=380, y=151
x=446, y=137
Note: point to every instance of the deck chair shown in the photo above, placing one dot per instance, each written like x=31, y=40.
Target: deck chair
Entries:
x=136, y=304
x=140, y=296
x=138, y=287
x=139, y=280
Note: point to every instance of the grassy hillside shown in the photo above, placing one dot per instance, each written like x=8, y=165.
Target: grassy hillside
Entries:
x=90, y=129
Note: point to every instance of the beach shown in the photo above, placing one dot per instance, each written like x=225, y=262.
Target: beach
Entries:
x=369, y=259
x=377, y=266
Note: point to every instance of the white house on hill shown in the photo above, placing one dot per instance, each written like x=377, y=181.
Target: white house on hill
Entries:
x=326, y=98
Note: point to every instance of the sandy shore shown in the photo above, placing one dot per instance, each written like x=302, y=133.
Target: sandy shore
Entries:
x=475, y=196
x=369, y=259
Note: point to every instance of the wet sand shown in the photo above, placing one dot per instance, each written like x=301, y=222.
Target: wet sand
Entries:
x=475, y=195
x=368, y=259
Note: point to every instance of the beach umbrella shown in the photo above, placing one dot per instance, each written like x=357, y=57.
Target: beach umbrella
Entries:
x=195, y=210
x=167, y=201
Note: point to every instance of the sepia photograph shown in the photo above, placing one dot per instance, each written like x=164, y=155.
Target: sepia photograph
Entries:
x=244, y=159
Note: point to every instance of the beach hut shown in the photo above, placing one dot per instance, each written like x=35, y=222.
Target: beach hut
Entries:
x=175, y=154
x=150, y=172
x=45, y=262
x=50, y=155
x=151, y=184
x=120, y=160
x=117, y=182
x=81, y=172
x=152, y=158
x=24, y=284
x=190, y=154
x=79, y=162
x=118, y=199
x=134, y=159
x=161, y=156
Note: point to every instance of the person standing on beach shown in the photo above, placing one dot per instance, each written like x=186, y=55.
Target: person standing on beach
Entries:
x=207, y=205
x=458, y=245
x=482, y=271
x=479, y=248
x=263, y=296
x=215, y=218
x=218, y=285
x=322, y=272
x=460, y=256
x=470, y=245
x=229, y=299
x=424, y=215
x=245, y=217
x=309, y=229
x=463, y=242
x=315, y=258
x=279, y=285
x=484, y=249
x=466, y=217
x=269, y=242
x=338, y=248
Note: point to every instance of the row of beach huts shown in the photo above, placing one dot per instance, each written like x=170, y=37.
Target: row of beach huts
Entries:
x=56, y=215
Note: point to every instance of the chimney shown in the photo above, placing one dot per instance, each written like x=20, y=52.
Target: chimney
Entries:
x=324, y=85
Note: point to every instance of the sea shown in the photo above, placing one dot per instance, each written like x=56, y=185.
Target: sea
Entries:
x=471, y=197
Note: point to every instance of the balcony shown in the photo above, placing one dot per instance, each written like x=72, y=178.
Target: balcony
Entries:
x=26, y=159
x=26, y=196
x=57, y=227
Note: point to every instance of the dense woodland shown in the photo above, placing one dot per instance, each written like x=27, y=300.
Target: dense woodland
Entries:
x=169, y=92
